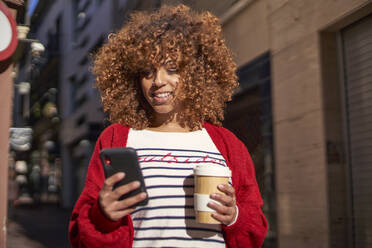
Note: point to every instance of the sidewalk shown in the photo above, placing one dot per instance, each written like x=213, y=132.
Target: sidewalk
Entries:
x=38, y=227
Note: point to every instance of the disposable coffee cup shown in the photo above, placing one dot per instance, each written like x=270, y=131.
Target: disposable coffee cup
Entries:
x=207, y=178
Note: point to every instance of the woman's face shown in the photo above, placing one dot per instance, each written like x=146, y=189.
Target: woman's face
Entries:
x=160, y=87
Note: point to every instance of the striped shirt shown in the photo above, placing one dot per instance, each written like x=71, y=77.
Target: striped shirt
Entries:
x=167, y=160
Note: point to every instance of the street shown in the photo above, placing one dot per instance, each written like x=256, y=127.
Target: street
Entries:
x=38, y=227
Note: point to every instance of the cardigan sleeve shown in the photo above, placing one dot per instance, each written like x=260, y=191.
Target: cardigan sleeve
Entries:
x=251, y=227
x=88, y=226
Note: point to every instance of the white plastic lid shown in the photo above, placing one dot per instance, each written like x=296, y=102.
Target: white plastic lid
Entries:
x=212, y=171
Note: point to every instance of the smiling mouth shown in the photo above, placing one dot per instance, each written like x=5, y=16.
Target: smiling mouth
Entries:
x=162, y=97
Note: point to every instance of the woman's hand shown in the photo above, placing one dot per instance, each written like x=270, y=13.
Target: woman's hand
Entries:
x=109, y=199
x=226, y=212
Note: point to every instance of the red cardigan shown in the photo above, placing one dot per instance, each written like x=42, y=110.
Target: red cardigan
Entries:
x=90, y=228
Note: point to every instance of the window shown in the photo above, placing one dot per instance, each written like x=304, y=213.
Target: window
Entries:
x=249, y=116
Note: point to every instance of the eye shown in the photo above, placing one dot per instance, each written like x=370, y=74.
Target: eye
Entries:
x=172, y=70
x=147, y=74
x=171, y=67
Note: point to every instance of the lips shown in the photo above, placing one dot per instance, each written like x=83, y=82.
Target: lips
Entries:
x=162, y=97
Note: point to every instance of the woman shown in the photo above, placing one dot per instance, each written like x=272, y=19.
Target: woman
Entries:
x=164, y=80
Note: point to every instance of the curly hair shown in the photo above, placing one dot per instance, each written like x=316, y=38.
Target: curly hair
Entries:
x=194, y=40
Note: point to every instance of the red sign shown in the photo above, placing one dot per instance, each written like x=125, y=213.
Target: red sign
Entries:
x=8, y=31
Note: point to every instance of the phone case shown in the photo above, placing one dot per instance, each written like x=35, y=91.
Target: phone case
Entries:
x=125, y=160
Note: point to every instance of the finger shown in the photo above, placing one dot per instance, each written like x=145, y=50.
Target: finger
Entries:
x=131, y=201
x=225, y=219
x=224, y=210
x=117, y=215
x=227, y=189
x=110, y=182
x=124, y=189
x=224, y=199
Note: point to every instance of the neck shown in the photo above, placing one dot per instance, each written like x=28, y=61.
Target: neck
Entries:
x=169, y=128
x=167, y=123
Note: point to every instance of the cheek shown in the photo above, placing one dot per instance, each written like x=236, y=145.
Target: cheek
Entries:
x=175, y=82
x=145, y=86
x=177, y=86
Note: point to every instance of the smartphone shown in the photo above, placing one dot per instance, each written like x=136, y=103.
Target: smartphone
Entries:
x=125, y=160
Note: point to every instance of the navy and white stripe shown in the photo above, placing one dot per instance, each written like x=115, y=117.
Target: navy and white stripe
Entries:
x=167, y=161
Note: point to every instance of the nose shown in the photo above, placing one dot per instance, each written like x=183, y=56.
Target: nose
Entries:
x=160, y=79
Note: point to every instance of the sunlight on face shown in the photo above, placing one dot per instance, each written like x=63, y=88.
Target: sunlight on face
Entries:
x=160, y=87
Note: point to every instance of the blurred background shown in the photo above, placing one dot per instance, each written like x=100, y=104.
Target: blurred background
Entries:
x=303, y=109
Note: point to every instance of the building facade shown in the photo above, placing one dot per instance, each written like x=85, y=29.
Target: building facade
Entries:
x=64, y=109
x=10, y=15
x=320, y=57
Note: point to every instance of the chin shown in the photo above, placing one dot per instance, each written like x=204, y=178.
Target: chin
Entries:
x=163, y=109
